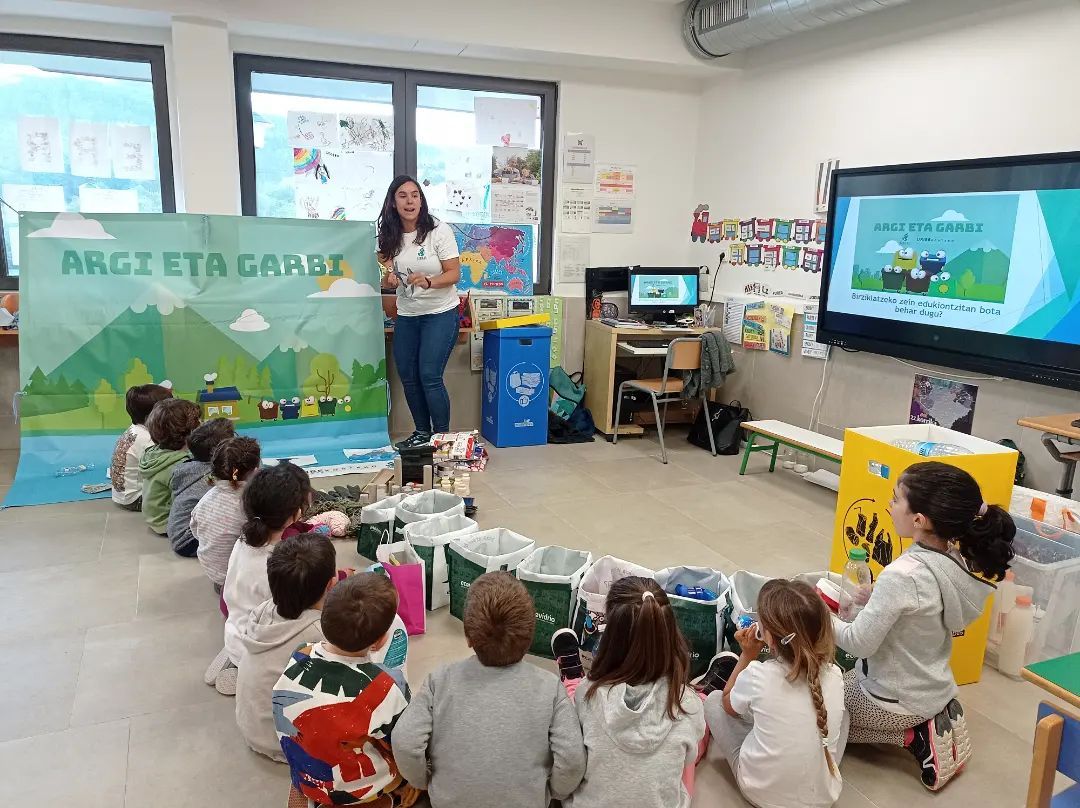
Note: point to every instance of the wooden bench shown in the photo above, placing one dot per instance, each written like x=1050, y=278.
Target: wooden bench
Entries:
x=778, y=433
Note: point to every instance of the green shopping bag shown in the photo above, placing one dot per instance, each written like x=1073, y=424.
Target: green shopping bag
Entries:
x=471, y=556
x=566, y=392
x=700, y=621
x=429, y=538
x=376, y=525
x=552, y=575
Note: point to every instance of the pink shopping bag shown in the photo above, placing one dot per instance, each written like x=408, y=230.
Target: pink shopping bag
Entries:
x=407, y=576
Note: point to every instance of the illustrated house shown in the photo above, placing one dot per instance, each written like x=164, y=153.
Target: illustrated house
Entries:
x=218, y=402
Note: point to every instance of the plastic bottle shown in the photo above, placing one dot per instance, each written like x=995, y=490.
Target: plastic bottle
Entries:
x=694, y=592
x=1004, y=600
x=71, y=471
x=856, y=584
x=928, y=448
x=1019, y=628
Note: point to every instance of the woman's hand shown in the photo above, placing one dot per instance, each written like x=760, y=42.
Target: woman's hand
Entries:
x=390, y=280
x=419, y=279
x=748, y=641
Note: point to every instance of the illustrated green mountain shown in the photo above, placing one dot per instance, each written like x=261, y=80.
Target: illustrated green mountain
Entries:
x=288, y=369
x=990, y=266
x=163, y=343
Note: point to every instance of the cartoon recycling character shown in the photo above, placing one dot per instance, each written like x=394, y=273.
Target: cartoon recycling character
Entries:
x=892, y=278
x=941, y=284
x=905, y=259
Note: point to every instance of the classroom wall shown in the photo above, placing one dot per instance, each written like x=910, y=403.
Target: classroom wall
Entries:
x=925, y=81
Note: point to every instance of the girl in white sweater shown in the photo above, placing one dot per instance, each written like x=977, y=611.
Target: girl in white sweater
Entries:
x=274, y=498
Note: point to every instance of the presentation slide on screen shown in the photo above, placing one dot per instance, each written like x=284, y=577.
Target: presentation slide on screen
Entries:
x=663, y=290
x=1001, y=263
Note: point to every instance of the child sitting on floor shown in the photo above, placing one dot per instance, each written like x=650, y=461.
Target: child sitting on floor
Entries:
x=191, y=479
x=273, y=501
x=218, y=517
x=641, y=722
x=778, y=723
x=300, y=572
x=124, y=469
x=170, y=423
x=335, y=707
x=493, y=729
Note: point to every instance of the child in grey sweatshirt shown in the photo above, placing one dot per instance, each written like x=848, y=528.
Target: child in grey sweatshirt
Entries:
x=902, y=691
x=190, y=480
x=492, y=730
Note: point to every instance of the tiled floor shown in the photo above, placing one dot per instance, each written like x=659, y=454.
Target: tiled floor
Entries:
x=107, y=633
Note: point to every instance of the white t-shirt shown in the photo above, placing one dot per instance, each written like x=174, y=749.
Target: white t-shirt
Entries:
x=426, y=258
x=124, y=470
x=246, y=586
x=781, y=764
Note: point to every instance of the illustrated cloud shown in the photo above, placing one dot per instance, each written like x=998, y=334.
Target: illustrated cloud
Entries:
x=292, y=343
x=951, y=216
x=249, y=321
x=72, y=225
x=347, y=287
x=160, y=297
x=890, y=247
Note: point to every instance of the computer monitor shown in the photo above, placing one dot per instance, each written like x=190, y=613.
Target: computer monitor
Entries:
x=663, y=293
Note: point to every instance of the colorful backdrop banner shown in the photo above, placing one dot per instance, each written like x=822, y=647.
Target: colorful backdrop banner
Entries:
x=274, y=323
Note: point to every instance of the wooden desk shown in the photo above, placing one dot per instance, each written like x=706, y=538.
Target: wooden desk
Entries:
x=601, y=348
x=1060, y=676
x=1058, y=429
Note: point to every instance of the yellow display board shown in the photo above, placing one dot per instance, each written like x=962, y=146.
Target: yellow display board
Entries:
x=871, y=467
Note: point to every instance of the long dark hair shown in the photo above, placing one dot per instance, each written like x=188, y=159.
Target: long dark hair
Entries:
x=641, y=642
x=271, y=499
x=793, y=611
x=391, y=233
x=951, y=499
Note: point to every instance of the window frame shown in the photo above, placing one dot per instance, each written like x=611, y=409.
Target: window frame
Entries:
x=405, y=83
x=154, y=56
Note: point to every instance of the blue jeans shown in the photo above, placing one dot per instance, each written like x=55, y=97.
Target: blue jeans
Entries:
x=422, y=347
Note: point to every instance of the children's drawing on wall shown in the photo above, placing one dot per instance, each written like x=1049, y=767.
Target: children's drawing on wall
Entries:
x=699, y=228
x=366, y=133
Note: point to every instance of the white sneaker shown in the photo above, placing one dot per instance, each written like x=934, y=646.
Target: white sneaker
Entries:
x=221, y=661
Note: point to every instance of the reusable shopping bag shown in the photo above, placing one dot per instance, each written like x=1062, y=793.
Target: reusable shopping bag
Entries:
x=471, y=556
x=406, y=572
x=552, y=575
x=700, y=621
x=429, y=538
x=741, y=600
x=426, y=504
x=376, y=525
x=592, y=597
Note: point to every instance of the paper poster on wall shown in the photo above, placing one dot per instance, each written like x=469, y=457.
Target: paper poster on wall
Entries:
x=505, y=121
x=615, y=179
x=733, y=322
x=42, y=198
x=515, y=204
x=132, y=149
x=576, y=210
x=755, y=318
x=367, y=176
x=108, y=200
x=464, y=197
x=39, y=144
x=614, y=217
x=366, y=133
x=779, y=325
x=578, y=164
x=944, y=402
x=811, y=348
x=313, y=130
x=89, y=149
x=466, y=167
x=573, y=258
x=515, y=165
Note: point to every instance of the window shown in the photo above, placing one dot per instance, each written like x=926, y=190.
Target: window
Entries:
x=84, y=126
x=322, y=140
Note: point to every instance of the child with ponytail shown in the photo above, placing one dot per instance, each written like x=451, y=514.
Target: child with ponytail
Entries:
x=902, y=690
x=273, y=499
x=641, y=722
x=778, y=723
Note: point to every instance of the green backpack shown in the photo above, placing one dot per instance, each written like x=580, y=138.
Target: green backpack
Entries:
x=567, y=391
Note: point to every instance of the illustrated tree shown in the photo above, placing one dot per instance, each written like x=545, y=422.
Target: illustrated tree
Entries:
x=266, y=386
x=325, y=377
x=105, y=400
x=137, y=373
x=965, y=284
x=225, y=373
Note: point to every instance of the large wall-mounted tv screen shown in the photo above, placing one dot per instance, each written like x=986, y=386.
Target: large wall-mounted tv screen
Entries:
x=972, y=264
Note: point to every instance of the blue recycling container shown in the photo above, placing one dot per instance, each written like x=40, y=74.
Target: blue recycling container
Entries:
x=514, y=401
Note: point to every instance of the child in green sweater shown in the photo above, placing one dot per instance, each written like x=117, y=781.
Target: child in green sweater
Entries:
x=170, y=423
